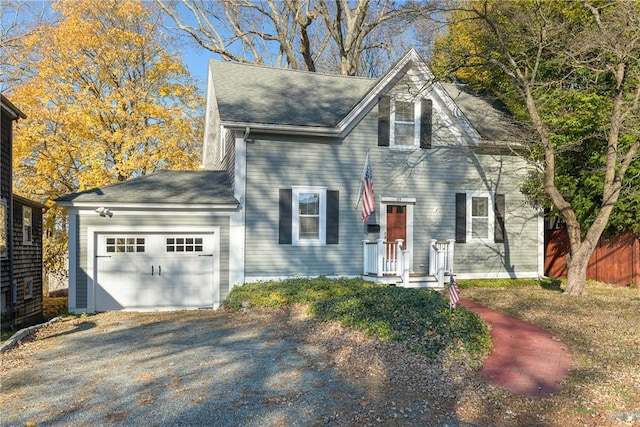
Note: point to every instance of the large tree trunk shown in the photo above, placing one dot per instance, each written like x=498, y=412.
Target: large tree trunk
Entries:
x=577, y=264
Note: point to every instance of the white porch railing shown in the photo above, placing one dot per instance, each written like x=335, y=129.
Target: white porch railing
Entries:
x=441, y=258
x=383, y=258
x=389, y=259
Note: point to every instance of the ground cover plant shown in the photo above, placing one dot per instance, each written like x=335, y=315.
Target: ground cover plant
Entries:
x=418, y=318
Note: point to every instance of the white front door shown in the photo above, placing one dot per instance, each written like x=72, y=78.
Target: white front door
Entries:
x=154, y=271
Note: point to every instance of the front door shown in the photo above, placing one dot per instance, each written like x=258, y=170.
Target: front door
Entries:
x=397, y=223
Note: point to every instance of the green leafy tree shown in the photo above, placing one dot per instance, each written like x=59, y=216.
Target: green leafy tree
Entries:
x=571, y=71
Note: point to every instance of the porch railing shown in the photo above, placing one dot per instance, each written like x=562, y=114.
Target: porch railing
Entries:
x=389, y=259
x=441, y=258
x=383, y=258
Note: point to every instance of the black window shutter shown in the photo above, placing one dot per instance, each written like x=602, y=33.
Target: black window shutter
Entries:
x=333, y=216
x=285, y=216
x=426, y=127
x=498, y=228
x=384, y=120
x=461, y=217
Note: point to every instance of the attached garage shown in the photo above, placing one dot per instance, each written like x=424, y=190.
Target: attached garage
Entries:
x=155, y=271
x=158, y=242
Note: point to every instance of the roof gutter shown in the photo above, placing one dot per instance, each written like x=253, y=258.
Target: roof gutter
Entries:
x=162, y=206
x=283, y=129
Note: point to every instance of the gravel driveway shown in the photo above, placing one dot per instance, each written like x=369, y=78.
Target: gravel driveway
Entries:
x=197, y=368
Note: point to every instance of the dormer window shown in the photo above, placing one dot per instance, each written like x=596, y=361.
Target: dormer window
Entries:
x=404, y=124
x=403, y=120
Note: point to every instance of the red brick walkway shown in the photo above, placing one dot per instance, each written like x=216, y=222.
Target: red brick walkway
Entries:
x=525, y=358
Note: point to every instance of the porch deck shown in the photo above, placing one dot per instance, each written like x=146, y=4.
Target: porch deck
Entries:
x=387, y=262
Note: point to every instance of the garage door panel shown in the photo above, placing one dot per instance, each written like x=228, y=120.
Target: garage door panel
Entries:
x=154, y=271
x=115, y=289
x=187, y=279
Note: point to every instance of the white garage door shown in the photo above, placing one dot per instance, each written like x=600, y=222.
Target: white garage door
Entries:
x=154, y=271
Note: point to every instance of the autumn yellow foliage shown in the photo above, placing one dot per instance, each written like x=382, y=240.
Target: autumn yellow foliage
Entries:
x=105, y=101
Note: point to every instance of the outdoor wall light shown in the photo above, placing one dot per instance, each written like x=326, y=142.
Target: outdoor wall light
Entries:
x=102, y=211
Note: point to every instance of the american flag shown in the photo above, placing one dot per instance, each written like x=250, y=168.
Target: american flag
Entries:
x=368, y=202
x=454, y=292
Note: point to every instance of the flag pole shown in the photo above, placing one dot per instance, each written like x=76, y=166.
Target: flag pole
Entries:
x=364, y=170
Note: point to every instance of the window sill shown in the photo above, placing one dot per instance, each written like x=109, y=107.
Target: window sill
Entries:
x=404, y=148
x=308, y=243
x=481, y=241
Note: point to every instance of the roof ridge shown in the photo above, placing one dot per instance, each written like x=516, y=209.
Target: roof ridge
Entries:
x=292, y=70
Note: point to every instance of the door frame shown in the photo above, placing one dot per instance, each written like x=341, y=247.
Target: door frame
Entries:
x=92, y=250
x=409, y=203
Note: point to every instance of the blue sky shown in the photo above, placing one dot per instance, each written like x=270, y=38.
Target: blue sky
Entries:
x=194, y=57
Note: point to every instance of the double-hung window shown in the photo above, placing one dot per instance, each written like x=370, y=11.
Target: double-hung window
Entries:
x=27, y=225
x=405, y=124
x=309, y=217
x=405, y=132
x=480, y=217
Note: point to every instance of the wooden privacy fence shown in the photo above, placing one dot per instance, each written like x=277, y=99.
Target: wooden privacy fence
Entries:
x=615, y=260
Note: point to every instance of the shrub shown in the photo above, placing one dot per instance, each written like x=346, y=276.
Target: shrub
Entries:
x=418, y=318
x=54, y=306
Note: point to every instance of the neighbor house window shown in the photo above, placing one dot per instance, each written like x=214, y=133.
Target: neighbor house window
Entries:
x=27, y=225
x=3, y=229
x=309, y=215
x=480, y=217
x=27, y=289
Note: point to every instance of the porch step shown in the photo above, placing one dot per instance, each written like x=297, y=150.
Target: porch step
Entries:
x=415, y=281
x=428, y=282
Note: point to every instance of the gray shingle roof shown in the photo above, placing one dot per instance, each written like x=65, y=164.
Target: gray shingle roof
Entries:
x=259, y=94
x=165, y=187
x=266, y=95
x=490, y=121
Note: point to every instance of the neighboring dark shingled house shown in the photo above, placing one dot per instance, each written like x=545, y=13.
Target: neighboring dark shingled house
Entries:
x=20, y=240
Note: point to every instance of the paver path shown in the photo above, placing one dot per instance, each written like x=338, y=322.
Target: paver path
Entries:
x=525, y=358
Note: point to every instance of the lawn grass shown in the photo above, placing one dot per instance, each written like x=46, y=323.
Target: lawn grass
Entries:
x=420, y=319
x=511, y=283
x=601, y=331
